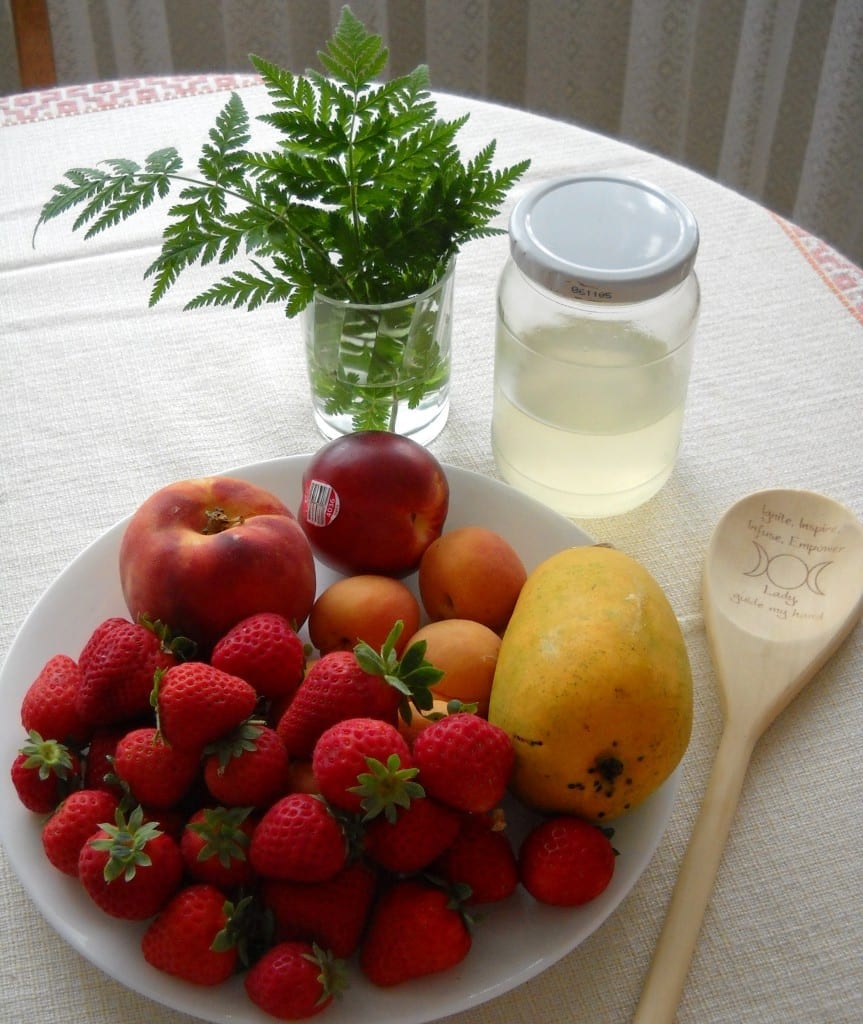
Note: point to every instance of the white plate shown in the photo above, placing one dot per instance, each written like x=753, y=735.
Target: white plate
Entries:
x=512, y=942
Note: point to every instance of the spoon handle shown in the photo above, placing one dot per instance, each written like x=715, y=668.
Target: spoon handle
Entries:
x=670, y=965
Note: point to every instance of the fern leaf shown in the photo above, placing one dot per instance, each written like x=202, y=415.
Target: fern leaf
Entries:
x=354, y=56
x=87, y=182
x=243, y=288
x=279, y=82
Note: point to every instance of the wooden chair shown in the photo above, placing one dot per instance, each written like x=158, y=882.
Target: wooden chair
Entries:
x=33, y=43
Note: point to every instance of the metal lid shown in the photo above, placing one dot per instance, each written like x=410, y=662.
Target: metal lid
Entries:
x=603, y=238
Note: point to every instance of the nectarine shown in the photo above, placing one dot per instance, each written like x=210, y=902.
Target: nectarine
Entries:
x=372, y=503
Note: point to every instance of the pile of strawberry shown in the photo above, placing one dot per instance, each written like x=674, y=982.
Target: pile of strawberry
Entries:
x=268, y=815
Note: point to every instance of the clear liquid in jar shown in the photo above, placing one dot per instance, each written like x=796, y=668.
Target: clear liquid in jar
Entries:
x=590, y=423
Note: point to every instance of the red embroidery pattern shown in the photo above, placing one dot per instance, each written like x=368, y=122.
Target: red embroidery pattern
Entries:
x=842, y=277
x=73, y=100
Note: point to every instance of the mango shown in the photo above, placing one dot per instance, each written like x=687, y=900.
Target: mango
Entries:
x=594, y=685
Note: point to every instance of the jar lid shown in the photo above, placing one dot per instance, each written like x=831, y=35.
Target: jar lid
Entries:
x=603, y=238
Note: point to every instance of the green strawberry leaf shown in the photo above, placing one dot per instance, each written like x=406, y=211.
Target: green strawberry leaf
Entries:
x=411, y=675
x=385, y=787
x=125, y=843
x=250, y=927
x=242, y=740
x=223, y=836
x=49, y=756
x=182, y=647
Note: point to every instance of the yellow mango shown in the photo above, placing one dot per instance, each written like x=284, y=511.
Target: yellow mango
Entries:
x=593, y=684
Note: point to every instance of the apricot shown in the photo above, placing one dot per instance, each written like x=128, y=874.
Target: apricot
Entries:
x=410, y=730
x=471, y=573
x=364, y=607
x=466, y=652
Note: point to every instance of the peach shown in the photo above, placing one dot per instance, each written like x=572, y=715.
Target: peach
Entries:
x=203, y=554
x=364, y=607
x=471, y=573
x=466, y=652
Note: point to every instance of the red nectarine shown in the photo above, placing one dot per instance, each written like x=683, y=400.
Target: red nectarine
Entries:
x=373, y=502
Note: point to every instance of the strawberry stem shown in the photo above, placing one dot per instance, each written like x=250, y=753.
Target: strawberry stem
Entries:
x=411, y=675
x=182, y=647
x=333, y=975
x=250, y=928
x=384, y=787
x=224, y=837
x=242, y=740
x=125, y=842
x=49, y=756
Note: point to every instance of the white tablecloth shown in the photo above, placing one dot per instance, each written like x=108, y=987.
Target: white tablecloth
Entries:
x=105, y=400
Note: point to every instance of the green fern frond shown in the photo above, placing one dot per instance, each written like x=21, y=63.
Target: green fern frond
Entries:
x=353, y=55
x=365, y=196
x=243, y=289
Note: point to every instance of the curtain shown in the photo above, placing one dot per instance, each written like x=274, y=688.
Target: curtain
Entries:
x=765, y=96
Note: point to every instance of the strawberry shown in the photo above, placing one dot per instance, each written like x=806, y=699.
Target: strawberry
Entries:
x=190, y=937
x=418, y=835
x=249, y=768
x=99, y=760
x=130, y=868
x=332, y=913
x=357, y=684
x=73, y=823
x=157, y=774
x=351, y=763
x=43, y=772
x=336, y=687
x=294, y=980
x=415, y=930
x=215, y=846
x=464, y=761
x=49, y=706
x=566, y=861
x=480, y=857
x=264, y=650
x=197, y=704
x=299, y=839
x=117, y=665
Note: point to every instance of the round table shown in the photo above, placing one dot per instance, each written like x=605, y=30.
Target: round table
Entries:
x=105, y=400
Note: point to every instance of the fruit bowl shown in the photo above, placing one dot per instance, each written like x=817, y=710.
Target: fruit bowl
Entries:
x=513, y=941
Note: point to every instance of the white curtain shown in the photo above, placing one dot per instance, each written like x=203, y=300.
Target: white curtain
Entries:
x=763, y=95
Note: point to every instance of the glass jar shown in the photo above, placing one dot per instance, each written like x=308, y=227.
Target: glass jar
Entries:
x=381, y=366
x=596, y=313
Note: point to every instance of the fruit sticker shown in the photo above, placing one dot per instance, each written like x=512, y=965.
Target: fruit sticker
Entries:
x=321, y=503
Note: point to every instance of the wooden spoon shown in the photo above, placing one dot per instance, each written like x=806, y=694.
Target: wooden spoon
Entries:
x=782, y=588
